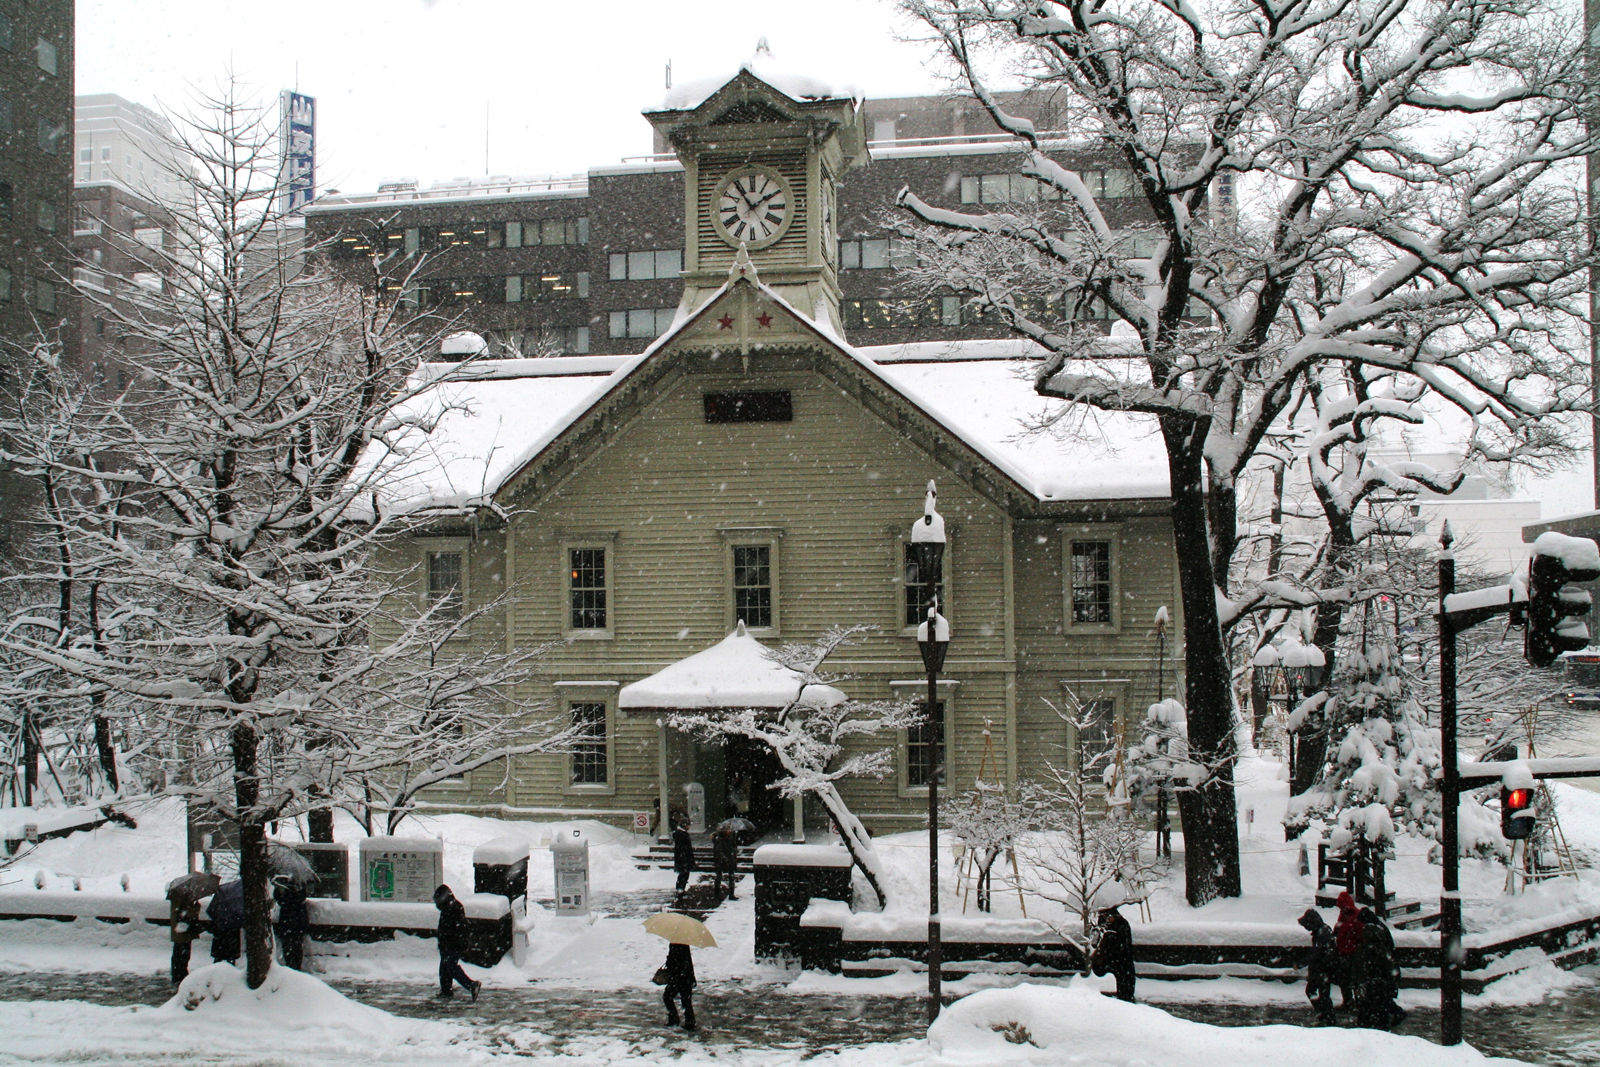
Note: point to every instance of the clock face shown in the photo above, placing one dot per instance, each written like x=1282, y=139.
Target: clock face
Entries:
x=753, y=206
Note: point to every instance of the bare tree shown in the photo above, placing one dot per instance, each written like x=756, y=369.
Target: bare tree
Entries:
x=244, y=608
x=1085, y=839
x=1389, y=185
x=809, y=737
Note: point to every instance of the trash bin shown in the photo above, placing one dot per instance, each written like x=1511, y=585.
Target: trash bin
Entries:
x=570, y=850
x=501, y=866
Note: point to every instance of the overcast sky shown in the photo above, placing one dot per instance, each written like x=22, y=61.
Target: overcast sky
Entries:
x=402, y=85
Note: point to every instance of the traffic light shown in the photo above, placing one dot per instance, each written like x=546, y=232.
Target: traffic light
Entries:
x=1552, y=604
x=1516, y=813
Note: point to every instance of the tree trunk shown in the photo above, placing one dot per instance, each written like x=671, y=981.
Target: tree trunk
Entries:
x=1312, y=747
x=319, y=825
x=252, y=854
x=1210, y=823
x=108, y=752
x=30, y=756
x=855, y=838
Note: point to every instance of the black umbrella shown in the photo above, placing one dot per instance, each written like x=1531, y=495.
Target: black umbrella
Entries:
x=192, y=887
x=744, y=828
x=285, y=862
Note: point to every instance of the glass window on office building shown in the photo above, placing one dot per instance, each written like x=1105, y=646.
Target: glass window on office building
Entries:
x=647, y=323
x=46, y=52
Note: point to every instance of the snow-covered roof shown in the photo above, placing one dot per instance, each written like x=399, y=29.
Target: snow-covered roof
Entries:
x=736, y=672
x=466, y=437
x=793, y=84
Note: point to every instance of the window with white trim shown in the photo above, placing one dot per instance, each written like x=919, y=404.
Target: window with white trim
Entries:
x=589, y=746
x=587, y=589
x=444, y=584
x=1091, y=580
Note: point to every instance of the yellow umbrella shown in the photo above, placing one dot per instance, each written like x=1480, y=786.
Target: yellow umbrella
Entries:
x=680, y=929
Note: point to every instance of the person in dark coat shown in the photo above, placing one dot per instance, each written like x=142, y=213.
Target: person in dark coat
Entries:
x=1323, y=967
x=1377, y=978
x=1114, y=954
x=226, y=912
x=682, y=854
x=185, y=916
x=294, y=920
x=452, y=943
x=725, y=859
x=1347, y=939
x=680, y=985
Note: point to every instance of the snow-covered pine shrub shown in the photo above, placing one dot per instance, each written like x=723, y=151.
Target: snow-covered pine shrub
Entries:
x=1378, y=780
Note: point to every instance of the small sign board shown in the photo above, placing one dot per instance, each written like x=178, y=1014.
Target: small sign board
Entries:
x=331, y=861
x=641, y=822
x=401, y=869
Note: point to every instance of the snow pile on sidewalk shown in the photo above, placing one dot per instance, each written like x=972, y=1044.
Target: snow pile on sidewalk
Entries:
x=1045, y=1025
x=215, y=1014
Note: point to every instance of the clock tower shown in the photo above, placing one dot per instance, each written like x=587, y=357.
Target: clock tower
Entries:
x=762, y=153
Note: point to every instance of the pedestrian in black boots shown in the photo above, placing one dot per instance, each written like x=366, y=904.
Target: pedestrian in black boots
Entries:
x=680, y=985
x=725, y=859
x=452, y=943
x=1323, y=967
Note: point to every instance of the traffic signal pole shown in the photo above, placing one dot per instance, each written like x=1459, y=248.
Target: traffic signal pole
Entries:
x=1450, y=953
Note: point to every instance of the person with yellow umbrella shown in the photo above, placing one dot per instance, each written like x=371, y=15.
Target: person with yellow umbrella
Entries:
x=682, y=932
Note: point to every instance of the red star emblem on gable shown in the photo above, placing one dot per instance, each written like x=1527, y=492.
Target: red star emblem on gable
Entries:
x=726, y=322
x=764, y=319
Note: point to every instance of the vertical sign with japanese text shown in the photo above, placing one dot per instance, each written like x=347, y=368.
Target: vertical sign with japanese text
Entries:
x=297, y=136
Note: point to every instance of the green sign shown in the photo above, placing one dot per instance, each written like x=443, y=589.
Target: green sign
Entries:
x=381, y=880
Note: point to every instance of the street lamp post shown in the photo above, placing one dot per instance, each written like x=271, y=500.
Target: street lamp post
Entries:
x=1450, y=952
x=933, y=640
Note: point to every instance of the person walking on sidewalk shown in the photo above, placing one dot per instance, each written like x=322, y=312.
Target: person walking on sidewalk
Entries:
x=294, y=920
x=1347, y=939
x=1323, y=967
x=680, y=985
x=725, y=859
x=682, y=854
x=1114, y=954
x=1377, y=977
x=452, y=943
x=185, y=919
x=226, y=912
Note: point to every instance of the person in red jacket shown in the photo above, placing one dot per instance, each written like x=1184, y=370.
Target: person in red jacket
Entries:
x=1347, y=936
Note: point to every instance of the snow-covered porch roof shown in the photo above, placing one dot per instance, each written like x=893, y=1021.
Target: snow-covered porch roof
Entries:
x=736, y=672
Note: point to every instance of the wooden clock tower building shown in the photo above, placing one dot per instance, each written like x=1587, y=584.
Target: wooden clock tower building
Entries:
x=761, y=169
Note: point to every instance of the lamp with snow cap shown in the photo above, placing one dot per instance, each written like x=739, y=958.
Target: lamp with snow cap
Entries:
x=933, y=640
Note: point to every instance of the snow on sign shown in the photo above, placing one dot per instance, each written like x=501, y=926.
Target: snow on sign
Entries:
x=404, y=870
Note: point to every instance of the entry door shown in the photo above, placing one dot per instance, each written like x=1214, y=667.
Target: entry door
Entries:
x=751, y=770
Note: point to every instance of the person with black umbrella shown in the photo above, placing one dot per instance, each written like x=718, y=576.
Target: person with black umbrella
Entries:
x=294, y=919
x=185, y=894
x=725, y=858
x=226, y=912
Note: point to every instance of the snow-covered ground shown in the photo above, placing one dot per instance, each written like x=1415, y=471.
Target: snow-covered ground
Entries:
x=610, y=950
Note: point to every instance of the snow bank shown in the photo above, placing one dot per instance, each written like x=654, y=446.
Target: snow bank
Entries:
x=1039, y=1024
x=300, y=1019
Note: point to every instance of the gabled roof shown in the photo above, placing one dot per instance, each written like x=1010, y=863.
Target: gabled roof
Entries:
x=472, y=437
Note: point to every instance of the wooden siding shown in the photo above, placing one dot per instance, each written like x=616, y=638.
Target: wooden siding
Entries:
x=842, y=488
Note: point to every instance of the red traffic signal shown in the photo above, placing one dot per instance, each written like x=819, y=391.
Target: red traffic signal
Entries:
x=1517, y=813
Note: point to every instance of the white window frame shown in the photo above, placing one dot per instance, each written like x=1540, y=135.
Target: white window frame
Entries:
x=588, y=539
x=916, y=690
x=1085, y=533
x=429, y=547
x=770, y=537
x=591, y=692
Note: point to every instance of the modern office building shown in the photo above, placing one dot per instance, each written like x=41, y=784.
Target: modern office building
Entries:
x=36, y=65
x=117, y=140
x=591, y=263
x=35, y=166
